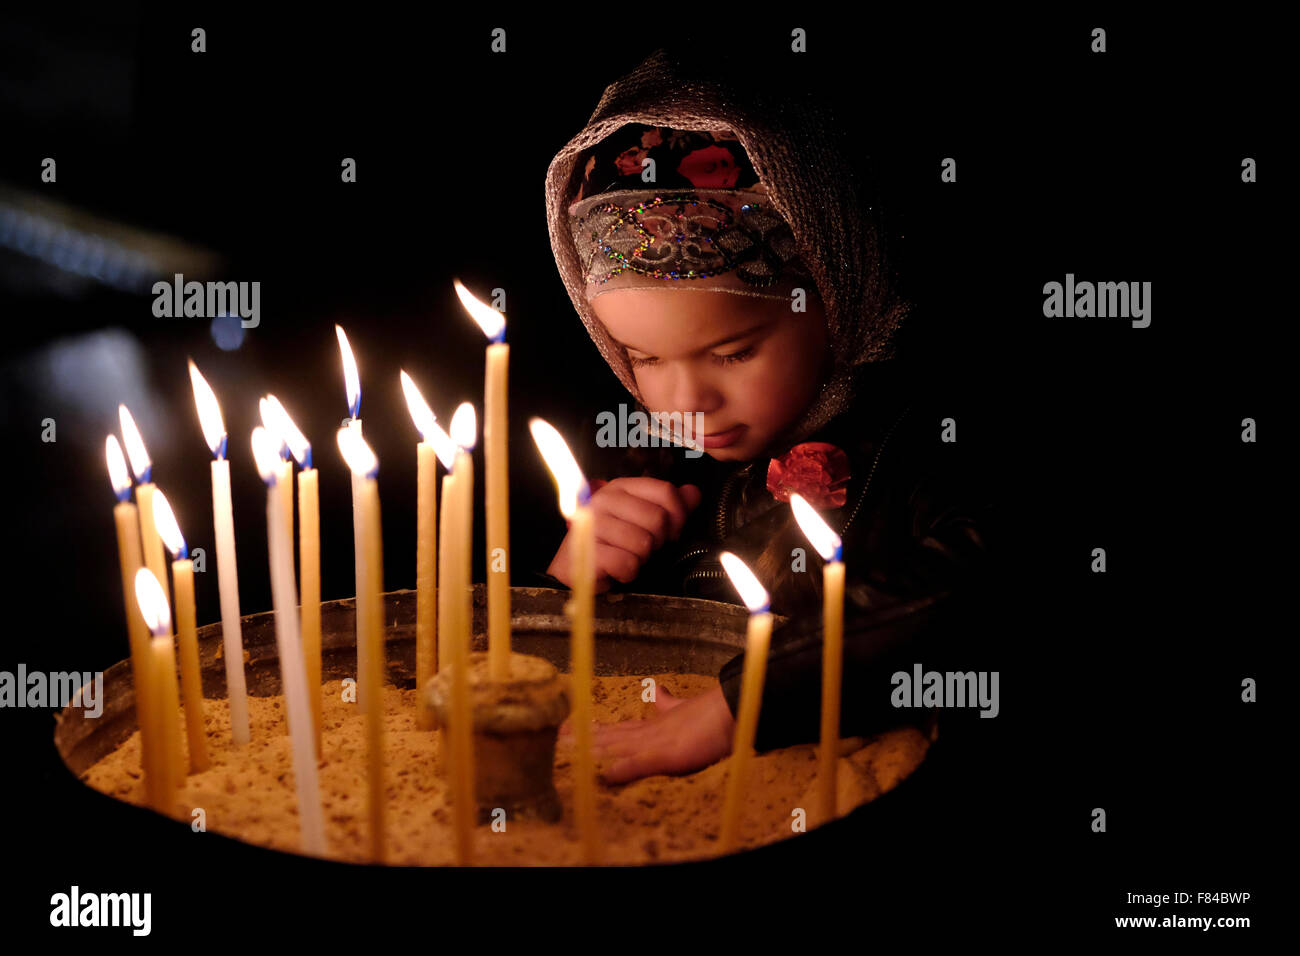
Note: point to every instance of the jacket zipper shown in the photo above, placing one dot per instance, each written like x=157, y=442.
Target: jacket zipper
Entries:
x=871, y=474
x=720, y=525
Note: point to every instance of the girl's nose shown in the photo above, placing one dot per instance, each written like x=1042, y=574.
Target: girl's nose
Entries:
x=693, y=392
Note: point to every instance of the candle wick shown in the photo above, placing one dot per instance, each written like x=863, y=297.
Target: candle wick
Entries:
x=307, y=459
x=221, y=448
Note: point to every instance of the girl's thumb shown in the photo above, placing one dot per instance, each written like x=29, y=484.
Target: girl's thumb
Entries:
x=691, y=496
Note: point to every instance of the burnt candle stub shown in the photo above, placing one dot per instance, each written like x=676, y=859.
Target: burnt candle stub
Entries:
x=516, y=723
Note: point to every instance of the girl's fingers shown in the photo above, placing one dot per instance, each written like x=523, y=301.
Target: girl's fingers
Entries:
x=621, y=533
x=637, y=765
x=666, y=701
x=617, y=563
x=663, y=494
x=622, y=745
x=649, y=516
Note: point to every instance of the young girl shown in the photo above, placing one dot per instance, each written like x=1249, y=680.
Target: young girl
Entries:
x=735, y=278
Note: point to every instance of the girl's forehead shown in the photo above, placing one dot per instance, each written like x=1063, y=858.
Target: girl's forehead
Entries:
x=681, y=321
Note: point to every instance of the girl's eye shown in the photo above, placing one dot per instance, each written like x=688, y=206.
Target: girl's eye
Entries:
x=741, y=356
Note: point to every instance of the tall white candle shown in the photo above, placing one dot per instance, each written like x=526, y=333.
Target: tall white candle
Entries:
x=164, y=699
x=274, y=420
x=829, y=546
x=293, y=674
x=130, y=560
x=352, y=382
x=757, y=636
x=496, y=487
x=437, y=445
x=214, y=433
x=457, y=580
x=278, y=421
x=363, y=463
x=153, y=549
x=574, y=497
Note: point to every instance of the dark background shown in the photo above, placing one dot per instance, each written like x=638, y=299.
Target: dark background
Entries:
x=1119, y=690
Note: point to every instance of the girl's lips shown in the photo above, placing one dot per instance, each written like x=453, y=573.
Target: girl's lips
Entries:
x=722, y=439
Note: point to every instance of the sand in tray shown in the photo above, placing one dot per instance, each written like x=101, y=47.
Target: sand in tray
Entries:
x=249, y=794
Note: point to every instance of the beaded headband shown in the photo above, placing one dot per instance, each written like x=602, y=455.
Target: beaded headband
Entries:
x=721, y=240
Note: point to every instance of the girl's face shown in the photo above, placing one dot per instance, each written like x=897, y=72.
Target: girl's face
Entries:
x=750, y=366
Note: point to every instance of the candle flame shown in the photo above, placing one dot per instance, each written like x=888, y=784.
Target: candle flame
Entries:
x=751, y=591
x=135, y=449
x=464, y=426
x=443, y=446
x=267, y=412
x=569, y=481
x=826, y=541
x=165, y=520
x=492, y=322
x=153, y=603
x=283, y=426
x=205, y=400
x=266, y=454
x=357, y=453
x=427, y=424
x=351, y=378
x=117, y=468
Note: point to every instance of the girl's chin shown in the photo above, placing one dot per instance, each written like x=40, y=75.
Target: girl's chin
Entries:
x=730, y=453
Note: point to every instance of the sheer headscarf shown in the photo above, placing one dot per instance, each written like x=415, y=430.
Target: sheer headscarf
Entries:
x=788, y=140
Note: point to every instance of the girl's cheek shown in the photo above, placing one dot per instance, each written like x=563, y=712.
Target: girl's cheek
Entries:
x=775, y=391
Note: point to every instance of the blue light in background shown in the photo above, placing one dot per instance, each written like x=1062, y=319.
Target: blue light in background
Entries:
x=228, y=332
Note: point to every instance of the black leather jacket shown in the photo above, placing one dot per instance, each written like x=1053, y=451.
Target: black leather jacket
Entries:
x=915, y=541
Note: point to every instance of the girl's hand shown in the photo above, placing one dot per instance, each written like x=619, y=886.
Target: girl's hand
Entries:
x=686, y=734
x=633, y=517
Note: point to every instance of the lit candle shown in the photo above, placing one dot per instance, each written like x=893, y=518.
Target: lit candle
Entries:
x=186, y=633
x=352, y=383
x=163, y=696
x=142, y=467
x=128, y=554
x=293, y=675
x=436, y=444
x=308, y=552
x=496, y=481
x=214, y=433
x=363, y=463
x=757, y=636
x=574, y=496
x=456, y=577
x=829, y=546
x=273, y=417
x=448, y=549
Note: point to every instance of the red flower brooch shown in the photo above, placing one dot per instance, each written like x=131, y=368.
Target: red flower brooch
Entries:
x=815, y=469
